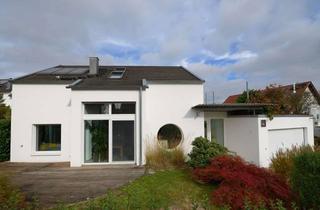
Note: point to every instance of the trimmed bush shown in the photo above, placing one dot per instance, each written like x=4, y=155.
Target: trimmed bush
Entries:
x=282, y=161
x=203, y=151
x=241, y=182
x=4, y=140
x=305, y=179
x=158, y=158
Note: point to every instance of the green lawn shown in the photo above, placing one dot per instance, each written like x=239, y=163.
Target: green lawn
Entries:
x=174, y=189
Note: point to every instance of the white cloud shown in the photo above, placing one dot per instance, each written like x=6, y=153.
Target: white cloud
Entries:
x=232, y=56
x=276, y=41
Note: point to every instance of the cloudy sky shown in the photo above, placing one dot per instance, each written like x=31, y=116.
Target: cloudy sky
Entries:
x=226, y=42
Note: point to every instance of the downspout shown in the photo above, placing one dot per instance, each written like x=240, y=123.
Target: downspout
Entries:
x=142, y=87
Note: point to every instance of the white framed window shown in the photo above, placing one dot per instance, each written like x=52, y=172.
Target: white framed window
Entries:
x=117, y=73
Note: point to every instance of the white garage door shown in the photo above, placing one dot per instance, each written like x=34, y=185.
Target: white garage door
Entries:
x=284, y=138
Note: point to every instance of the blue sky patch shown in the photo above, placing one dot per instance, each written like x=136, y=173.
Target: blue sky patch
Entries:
x=119, y=51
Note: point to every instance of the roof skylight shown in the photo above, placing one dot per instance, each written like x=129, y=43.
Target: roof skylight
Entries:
x=117, y=73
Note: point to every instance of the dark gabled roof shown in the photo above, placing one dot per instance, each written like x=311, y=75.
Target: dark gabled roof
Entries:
x=5, y=85
x=300, y=88
x=132, y=78
x=229, y=107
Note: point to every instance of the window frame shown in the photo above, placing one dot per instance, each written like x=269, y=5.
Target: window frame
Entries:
x=116, y=74
x=180, y=142
x=34, y=151
x=110, y=117
x=96, y=103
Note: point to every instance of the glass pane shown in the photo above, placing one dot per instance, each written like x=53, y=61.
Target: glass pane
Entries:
x=99, y=108
x=123, y=141
x=48, y=137
x=123, y=108
x=116, y=74
x=217, y=130
x=169, y=136
x=96, y=141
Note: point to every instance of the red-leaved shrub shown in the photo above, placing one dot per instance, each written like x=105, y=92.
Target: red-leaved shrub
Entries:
x=241, y=182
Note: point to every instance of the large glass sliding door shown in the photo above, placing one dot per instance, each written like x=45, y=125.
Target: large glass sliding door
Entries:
x=122, y=140
x=109, y=132
x=96, y=141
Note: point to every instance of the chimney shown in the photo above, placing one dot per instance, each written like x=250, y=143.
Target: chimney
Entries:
x=93, y=65
x=294, y=88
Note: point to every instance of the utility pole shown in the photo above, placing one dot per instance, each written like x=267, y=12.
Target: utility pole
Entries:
x=247, y=90
x=205, y=98
x=212, y=97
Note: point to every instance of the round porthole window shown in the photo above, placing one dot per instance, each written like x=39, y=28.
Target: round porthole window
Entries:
x=169, y=136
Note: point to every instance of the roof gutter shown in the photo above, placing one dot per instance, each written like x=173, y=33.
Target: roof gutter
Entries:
x=74, y=83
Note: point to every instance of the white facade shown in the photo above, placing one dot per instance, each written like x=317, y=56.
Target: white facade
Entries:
x=44, y=104
x=160, y=104
x=6, y=97
x=166, y=104
x=55, y=104
x=257, y=138
x=314, y=108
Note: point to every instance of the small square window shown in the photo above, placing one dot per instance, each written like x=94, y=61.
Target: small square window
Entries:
x=96, y=108
x=48, y=137
x=123, y=108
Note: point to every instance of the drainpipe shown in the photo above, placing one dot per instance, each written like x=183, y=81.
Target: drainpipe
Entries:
x=142, y=87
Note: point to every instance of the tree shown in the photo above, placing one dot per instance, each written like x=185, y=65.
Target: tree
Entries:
x=284, y=101
x=5, y=111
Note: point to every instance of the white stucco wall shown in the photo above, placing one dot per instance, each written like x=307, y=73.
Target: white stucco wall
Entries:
x=169, y=103
x=315, y=112
x=38, y=104
x=242, y=137
x=282, y=123
x=314, y=108
x=55, y=104
x=245, y=136
x=77, y=120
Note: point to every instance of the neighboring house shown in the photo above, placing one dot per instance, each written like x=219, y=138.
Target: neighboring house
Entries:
x=312, y=104
x=111, y=114
x=5, y=91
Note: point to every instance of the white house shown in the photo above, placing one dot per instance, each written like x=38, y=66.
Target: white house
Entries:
x=307, y=94
x=110, y=114
x=5, y=91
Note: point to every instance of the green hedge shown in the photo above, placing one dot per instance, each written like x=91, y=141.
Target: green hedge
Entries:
x=4, y=140
x=305, y=179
